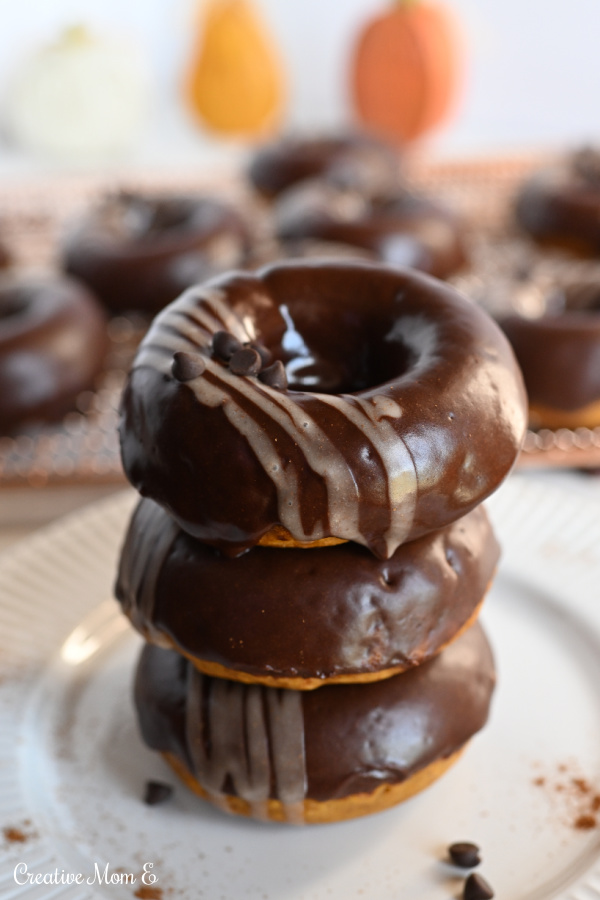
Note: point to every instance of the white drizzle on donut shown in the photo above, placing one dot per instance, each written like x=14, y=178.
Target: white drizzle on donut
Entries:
x=250, y=737
x=199, y=315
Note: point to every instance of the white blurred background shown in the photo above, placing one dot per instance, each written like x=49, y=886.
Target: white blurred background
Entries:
x=532, y=70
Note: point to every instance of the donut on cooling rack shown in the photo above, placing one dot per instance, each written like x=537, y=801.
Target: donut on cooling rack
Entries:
x=52, y=346
x=314, y=756
x=351, y=617
x=402, y=228
x=138, y=252
x=561, y=205
x=357, y=161
x=559, y=354
x=393, y=407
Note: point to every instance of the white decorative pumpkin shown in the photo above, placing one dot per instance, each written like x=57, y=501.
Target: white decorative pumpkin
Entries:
x=85, y=96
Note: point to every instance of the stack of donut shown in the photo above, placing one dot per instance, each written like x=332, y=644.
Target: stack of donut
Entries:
x=312, y=443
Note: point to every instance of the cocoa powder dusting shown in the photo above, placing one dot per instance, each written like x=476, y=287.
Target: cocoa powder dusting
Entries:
x=145, y=892
x=14, y=835
x=580, y=797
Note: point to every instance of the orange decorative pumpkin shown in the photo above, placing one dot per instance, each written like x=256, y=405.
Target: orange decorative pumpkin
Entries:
x=234, y=84
x=405, y=70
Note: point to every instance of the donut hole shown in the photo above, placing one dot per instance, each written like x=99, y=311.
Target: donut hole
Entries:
x=139, y=218
x=329, y=350
x=335, y=334
x=147, y=217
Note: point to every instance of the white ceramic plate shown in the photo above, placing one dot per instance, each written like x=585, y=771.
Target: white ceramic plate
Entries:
x=73, y=769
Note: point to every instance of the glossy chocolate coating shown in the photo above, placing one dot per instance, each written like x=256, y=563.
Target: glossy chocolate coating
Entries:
x=138, y=252
x=562, y=205
x=356, y=737
x=405, y=408
x=308, y=613
x=404, y=228
x=52, y=345
x=358, y=161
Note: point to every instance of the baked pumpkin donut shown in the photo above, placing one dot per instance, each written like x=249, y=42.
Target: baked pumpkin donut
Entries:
x=403, y=228
x=314, y=756
x=52, y=345
x=358, y=161
x=139, y=252
x=301, y=619
x=394, y=406
x=559, y=355
x=561, y=205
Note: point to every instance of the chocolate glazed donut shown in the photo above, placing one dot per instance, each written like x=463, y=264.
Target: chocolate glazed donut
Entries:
x=52, y=345
x=403, y=228
x=405, y=408
x=559, y=354
x=297, y=619
x=314, y=756
x=561, y=206
x=357, y=161
x=138, y=252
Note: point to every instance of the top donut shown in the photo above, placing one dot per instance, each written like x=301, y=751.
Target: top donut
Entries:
x=401, y=406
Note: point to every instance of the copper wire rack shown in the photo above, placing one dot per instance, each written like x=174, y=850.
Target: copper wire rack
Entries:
x=506, y=272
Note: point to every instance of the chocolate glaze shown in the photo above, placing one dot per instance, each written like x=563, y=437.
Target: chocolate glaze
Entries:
x=359, y=161
x=140, y=252
x=355, y=737
x=402, y=228
x=312, y=613
x=562, y=205
x=405, y=408
x=52, y=345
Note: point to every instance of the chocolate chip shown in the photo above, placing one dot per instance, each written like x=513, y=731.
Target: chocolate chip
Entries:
x=477, y=888
x=265, y=355
x=224, y=345
x=186, y=367
x=464, y=854
x=275, y=376
x=245, y=362
x=157, y=792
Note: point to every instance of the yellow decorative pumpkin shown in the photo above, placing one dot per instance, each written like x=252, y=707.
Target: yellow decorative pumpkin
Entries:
x=235, y=83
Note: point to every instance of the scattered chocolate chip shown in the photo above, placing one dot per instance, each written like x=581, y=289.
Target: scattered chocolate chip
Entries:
x=186, y=367
x=464, y=854
x=477, y=888
x=245, y=362
x=157, y=792
x=224, y=345
x=265, y=355
x=275, y=376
